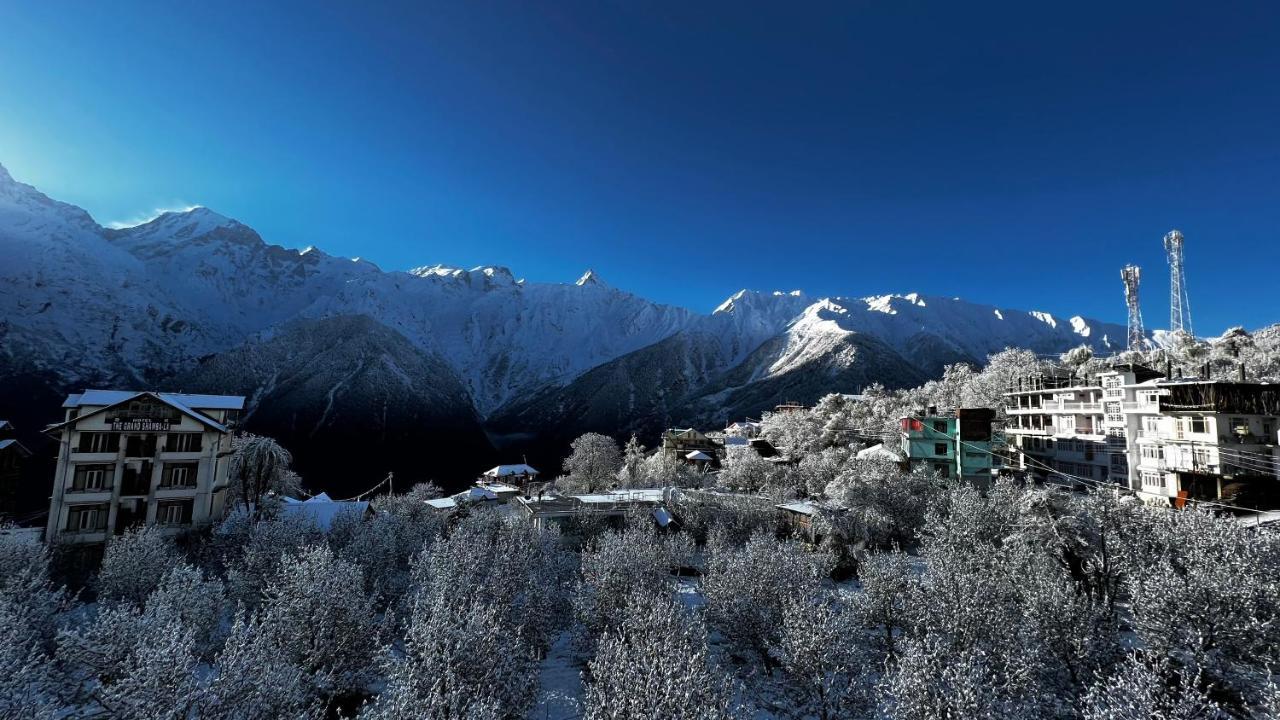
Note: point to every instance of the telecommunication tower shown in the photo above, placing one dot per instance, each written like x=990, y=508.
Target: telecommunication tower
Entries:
x=1131, y=274
x=1179, y=303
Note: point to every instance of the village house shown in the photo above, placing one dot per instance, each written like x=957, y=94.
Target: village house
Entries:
x=613, y=506
x=129, y=458
x=677, y=443
x=13, y=457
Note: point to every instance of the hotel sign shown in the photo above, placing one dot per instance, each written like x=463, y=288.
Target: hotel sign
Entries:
x=140, y=424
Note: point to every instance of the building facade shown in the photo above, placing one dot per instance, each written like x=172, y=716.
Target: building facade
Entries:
x=955, y=445
x=1168, y=441
x=1055, y=425
x=131, y=458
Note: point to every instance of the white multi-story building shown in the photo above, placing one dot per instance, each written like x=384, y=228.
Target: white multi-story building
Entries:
x=1055, y=424
x=127, y=458
x=1177, y=439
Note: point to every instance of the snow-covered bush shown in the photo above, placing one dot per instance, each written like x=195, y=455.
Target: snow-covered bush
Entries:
x=252, y=551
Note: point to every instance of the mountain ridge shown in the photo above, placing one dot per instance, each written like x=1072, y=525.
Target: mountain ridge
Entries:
x=155, y=303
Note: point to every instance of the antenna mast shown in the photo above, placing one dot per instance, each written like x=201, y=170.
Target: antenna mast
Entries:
x=1131, y=274
x=1179, y=303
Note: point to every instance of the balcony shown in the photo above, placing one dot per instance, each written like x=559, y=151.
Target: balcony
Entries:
x=1081, y=407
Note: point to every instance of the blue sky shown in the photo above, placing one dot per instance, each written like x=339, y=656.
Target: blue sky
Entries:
x=1017, y=154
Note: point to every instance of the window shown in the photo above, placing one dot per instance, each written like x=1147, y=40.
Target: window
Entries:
x=1199, y=425
x=1239, y=426
x=939, y=448
x=1152, y=479
x=1067, y=423
x=1201, y=457
x=99, y=442
x=177, y=475
x=1150, y=452
x=174, y=512
x=140, y=446
x=940, y=426
x=91, y=478
x=87, y=518
x=183, y=442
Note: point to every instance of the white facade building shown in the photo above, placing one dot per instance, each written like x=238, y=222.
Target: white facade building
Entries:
x=1167, y=440
x=127, y=458
x=1055, y=423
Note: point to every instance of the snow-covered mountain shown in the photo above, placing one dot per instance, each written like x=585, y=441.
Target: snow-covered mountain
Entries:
x=165, y=301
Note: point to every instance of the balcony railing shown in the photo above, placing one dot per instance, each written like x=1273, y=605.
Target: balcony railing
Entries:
x=1080, y=406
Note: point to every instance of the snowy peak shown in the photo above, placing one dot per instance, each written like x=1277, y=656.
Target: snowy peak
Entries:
x=590, y=278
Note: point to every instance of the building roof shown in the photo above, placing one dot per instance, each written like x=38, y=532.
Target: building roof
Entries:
x=322, y=510
x=497, y=487
x=6, y=425
x=195, y=402
x=662, y=517
x=508, y=470
x=107, y=399
x=445, y=503
x=13, y=443
x=878, y=452
x=801, y=508
x=697, y=455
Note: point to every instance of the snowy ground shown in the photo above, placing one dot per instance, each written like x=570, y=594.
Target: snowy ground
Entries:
x=561, y=682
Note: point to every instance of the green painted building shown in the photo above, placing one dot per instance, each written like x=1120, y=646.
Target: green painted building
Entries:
x=955, y=445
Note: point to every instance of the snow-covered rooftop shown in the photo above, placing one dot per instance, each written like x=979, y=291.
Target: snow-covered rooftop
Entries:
x=194, y=402
x=509, y=470
x=880, y=452
x=697, y=455
x=322, y=510
x=803, y=508
x=446, y=503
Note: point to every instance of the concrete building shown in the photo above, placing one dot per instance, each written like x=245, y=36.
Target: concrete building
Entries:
x=1169, y=440
x=1055, y=423
x=128, y=458
x=955, y=445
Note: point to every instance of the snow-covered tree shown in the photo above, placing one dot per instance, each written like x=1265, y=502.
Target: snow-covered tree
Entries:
x=592, y=464
x=613, y=566
x=252, y=551
x=424, y=491
x=253, y=680
x=654, y=663
x=29, y=685
x=632, y=473
x=259, y=465
x=1139, y=689
x=747, y=588
x=935, y=680
x=157, y=679
x=1204, y=593
x=317, y=614
x=461, y=660
x=884, y=604
x=507, y=564
x=827, y=669
x=134, y=564
x=745, y=471
x=198, y=603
